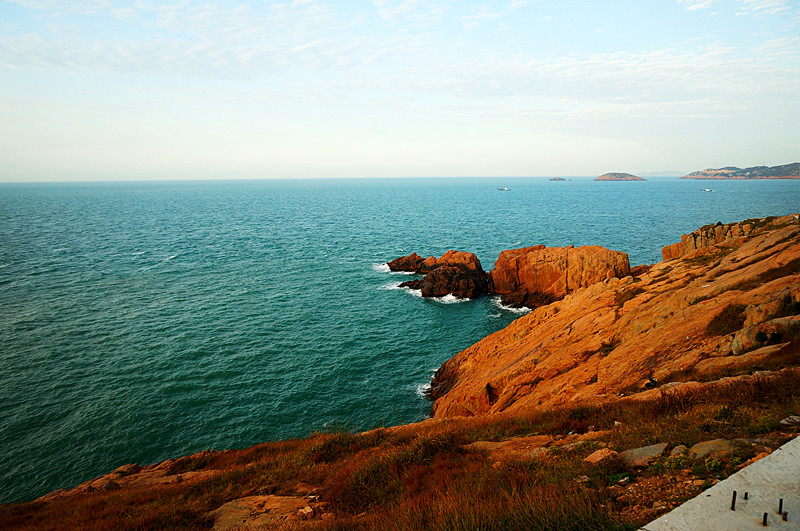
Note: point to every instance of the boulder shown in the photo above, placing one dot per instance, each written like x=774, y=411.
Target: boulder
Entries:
x=678, y=450
x=457, y=273
x=600, y=455
x=715, y=448
x=416, y=264
x=451, y=280
x=641, y=457
x=258, y=512
x=460, y=259
x=553, y=272
x=410, y=263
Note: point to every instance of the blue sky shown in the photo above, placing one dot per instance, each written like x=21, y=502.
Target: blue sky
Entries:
x=153, y=89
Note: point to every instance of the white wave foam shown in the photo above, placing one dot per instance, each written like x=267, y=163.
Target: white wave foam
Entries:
x=499, y=304
x=171, y=257
x=448, y=299
x=137, y=253
x=381, y=268
x=423, y=390
x=390, y=286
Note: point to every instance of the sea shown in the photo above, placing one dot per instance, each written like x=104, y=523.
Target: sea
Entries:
x=141, y=321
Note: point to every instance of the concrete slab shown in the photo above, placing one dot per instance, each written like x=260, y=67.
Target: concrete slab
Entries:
x=765, y=482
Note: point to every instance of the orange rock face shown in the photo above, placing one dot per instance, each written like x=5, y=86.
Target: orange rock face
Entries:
x=556, y=271
x=622, y=335
x=414, y=262
x=706, y=237
x=460, y=259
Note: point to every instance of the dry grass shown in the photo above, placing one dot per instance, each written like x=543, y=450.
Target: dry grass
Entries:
x=421, y=477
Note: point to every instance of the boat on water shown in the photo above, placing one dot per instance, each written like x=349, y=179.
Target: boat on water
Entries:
x=705, y=189
x=504, y=189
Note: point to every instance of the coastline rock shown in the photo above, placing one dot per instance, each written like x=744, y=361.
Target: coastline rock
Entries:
x=410, y=263
x=416, y=264
x=617, y=176
x=708, y=236
x=623, y=335
x=785, y=171
x=539, y=275
x=451, y=280
x=526, y=277
x=457, y=273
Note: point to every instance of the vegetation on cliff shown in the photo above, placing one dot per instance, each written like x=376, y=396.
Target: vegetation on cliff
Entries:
x=785, y=171
x=434, y=475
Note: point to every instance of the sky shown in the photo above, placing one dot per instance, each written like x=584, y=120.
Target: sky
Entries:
x=209, y=89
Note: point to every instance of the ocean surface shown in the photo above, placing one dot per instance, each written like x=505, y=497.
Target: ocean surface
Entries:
x=143, y=321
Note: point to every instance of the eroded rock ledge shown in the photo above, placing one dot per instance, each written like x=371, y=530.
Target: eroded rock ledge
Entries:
x=729, y=305
x=530, y=276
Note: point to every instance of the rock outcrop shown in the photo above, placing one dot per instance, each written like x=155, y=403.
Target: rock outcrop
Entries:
x=451, y=280
x=785, y=171
x=456, y=273
x=625, y=335
x=415, y=263
x=533, y=276
x=411, y=263
x=707, y=236
x=530, y=276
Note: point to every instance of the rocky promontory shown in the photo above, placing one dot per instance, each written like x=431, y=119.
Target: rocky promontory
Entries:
x=727, y=300
x=785, y=171
x=456, y=273
x=531, y=275
x=616, y=176
x=526, y=277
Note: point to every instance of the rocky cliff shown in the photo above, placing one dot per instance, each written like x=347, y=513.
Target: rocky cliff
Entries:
x=525, y=276
x=729, y=304
x=456, y=273
x=785, y=171
x=707, y=236
x=530, y=276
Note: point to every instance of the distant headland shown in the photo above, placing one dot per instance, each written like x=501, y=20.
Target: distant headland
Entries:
x=786, y=171
x=619, y=177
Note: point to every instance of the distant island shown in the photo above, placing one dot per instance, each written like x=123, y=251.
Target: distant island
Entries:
x=619, y=177
x=558, y=179
x=786, y=171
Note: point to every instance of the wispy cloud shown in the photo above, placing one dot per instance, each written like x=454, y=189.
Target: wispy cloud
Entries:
x=694, y=5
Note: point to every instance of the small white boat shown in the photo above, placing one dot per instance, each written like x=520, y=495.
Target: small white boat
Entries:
x=705, y=189
x=504, y=189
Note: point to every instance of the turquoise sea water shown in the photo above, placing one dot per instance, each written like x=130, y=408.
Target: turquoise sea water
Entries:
x=143, y=321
